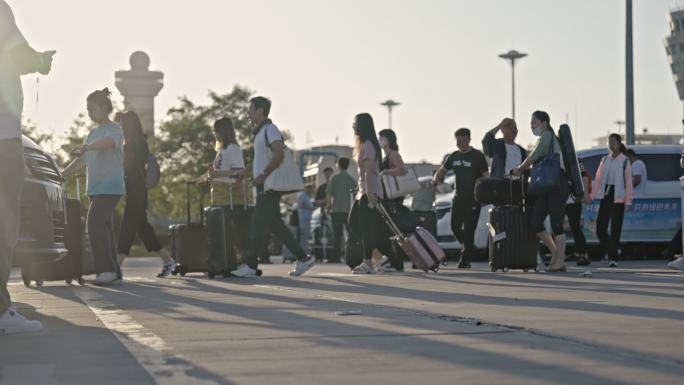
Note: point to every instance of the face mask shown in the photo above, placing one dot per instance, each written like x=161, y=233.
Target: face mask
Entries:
x=382, y=141
x=537, y=131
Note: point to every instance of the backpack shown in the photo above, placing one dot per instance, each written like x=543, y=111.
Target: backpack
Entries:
x=153, y=171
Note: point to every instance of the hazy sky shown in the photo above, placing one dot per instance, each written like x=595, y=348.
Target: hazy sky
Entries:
x=323, y=61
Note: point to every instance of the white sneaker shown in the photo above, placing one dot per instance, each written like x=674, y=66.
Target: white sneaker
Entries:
x=363, y=268
x=384, y=266
x=677, y=264
x=12, y=322
x=613, y=263
x=244, y=271
x=303, y=266
x=106, y=278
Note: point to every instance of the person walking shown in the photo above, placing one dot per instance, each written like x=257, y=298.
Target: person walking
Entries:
x=468, y=165
x=305, y=208
x=364, y=218
x=339, y=201
x=134, y=222
x=268, y=156
x=392, y=165
x=103, y=157
x=613, y=186
x=549, y=203
x=321, y=191
x=573, y=210
x=17, y=58
x=504, y=152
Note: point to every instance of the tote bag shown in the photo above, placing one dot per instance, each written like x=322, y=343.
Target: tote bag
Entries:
x=399, y=186
x=545, y=175
x=286, y=178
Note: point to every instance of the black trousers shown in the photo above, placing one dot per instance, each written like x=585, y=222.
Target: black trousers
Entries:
x=135, y=221
x=552, y=204
x=266, y=220
x=574, y=212
x=613, y=213
x=465, y=214
x=375, y=233
x=339, y=223
x=675, y=245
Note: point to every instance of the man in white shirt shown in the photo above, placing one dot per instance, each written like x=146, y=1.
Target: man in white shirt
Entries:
x=505, y=153
x=639, y=174
x=268, y=156
x=16, y=58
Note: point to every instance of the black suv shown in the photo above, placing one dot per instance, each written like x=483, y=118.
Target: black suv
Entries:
x=43, y=208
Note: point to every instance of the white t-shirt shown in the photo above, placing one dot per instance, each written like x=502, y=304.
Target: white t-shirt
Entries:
x=261, y=149
x=513, y=157
x=229, y=158
x=639, y=168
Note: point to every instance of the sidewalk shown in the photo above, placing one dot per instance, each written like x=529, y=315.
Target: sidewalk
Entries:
x=621, y=326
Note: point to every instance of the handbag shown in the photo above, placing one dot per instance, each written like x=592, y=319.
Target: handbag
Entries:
x=399, y=186
x=286, y=178
x=545, y=175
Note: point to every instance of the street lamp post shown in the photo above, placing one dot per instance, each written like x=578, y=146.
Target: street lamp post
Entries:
x=629, y=70
x=512, y=56
x=389, y=103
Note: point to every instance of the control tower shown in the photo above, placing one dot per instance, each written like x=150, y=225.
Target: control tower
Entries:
x=139, y=86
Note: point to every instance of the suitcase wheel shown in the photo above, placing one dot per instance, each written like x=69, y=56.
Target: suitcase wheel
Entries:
x=175, y=270
x=27, y=282
x=259, y=272
x=81, y=281
x=39, y=283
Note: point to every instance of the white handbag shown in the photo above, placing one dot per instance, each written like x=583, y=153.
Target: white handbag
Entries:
x=399, y=186
x=286, y=178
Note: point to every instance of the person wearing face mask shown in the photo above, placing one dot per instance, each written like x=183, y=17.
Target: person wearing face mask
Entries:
x=614, y=188
x=505, y=153
x=550, y=203
x=468, y=165
x=393, y=165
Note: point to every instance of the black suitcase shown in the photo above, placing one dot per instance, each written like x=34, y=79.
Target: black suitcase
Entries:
x=512, y=241
x=498, y=191
x=189, y=247
x=227, y=235
x=78, y=260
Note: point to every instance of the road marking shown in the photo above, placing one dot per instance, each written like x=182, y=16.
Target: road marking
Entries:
x=151, y=352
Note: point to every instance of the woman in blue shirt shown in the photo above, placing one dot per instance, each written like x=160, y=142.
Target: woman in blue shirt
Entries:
x=102, y=155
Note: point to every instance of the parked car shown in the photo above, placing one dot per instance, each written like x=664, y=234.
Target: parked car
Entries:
x=43, y=208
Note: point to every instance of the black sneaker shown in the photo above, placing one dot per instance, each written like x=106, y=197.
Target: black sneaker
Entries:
x=582, y=261
x=464, y=265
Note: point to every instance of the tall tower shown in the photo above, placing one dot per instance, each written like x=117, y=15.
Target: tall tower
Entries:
x=139, y=86
x=674, y=45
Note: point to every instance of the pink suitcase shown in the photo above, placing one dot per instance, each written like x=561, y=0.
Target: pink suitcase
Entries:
x=419, y=245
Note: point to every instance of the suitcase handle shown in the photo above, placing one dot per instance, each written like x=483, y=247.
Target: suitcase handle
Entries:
x=187, y=193
x=393, y=226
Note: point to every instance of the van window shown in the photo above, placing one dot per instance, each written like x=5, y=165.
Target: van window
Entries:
x=659, y=167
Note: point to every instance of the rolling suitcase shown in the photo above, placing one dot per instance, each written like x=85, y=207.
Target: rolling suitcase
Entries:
x=189, y=241
x=421, y=247
x=227, y=234
x=512, y=242
x=78, y=260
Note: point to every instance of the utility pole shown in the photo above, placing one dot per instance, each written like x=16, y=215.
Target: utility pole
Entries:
x=629, y=60
x=389, y=103
x=512, y=56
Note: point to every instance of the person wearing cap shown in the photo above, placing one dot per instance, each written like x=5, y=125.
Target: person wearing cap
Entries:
x=468, y=165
